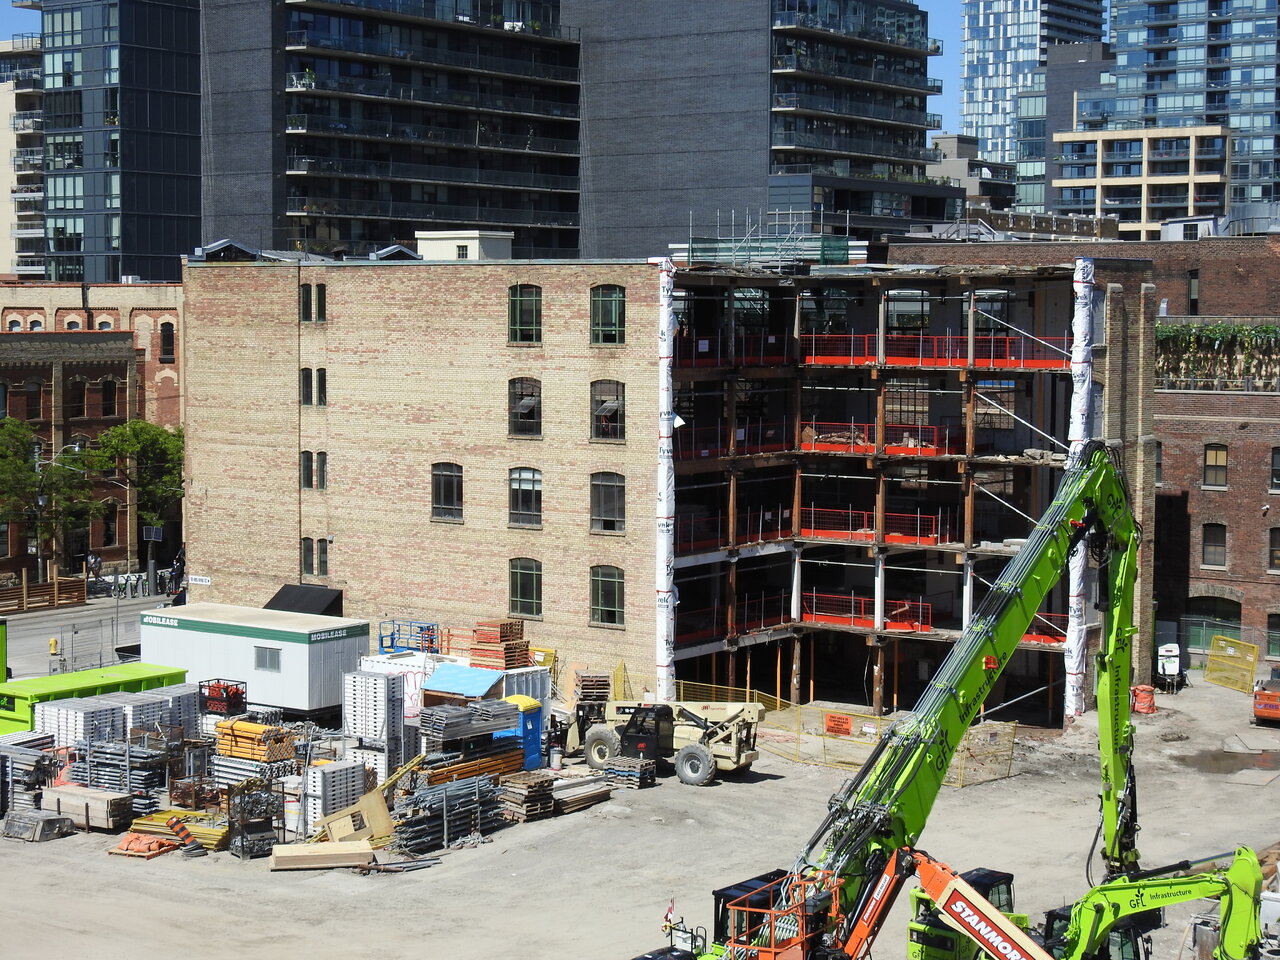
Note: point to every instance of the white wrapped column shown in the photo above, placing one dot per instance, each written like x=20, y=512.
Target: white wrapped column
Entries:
x=664, y=552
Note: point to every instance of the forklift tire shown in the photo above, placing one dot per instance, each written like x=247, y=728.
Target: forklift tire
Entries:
x=695, y=765
x=600, y=746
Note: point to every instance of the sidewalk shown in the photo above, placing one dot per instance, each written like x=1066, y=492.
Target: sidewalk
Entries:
x=86, y=633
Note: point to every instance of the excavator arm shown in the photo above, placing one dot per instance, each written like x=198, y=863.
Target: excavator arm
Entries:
x=885, y=807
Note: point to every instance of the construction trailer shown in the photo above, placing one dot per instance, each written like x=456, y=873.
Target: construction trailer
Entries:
x=294, y=661
x=18, y=698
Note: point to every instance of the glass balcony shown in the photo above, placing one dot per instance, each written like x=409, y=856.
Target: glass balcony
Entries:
x=407, y=210
x=844, y=143
x=855, y=108
x=808, y=21
x=29, y=266
x=462, y=12
x=386, y=90
x=313, y=39
x=27, y=121
x=827, y=67
x=412, y=132
x=379, y=170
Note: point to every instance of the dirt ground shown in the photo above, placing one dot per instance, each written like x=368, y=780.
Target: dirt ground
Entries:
x=594, y=885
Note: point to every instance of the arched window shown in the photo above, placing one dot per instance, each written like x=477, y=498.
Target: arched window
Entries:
x=110, y=524
x=73, y=324
x=446, y=491
x=168, y=343
x=526, y=587
x=35, y=398
x=15, y=326
x=608, y=410
x=524, y=396
x=75, y=399
x=308, y=558
x=36, y=326
x=608, y=502
x=525, y=497
x=608, y=595
x=104, y=324
x=608, y=314
x=524, y=313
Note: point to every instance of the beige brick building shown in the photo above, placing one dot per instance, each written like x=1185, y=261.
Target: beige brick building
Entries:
x=445, y=442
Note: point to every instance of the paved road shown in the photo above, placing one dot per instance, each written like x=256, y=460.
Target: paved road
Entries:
x=87, y=634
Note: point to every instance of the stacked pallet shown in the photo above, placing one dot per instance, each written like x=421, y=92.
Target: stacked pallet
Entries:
x=184, y=706
x=331, y=787
x=26, y=768
x=373, y=712
x=436, y=816
x=631, y=773
x=211, y=832
x=445, y=724
x=79, y=719
x=499, y=645
x=591, y=686
x=574, y=795
x=246, y=740
x=526, y=796
x=140, y=709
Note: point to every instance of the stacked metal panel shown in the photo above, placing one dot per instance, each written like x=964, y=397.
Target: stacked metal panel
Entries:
x=373, y=712
x=27, y=767
x=435, y=817
x=184, y=706
x=140, y=709
x=225, y=771
x=329, y=788
x=122, y=768
x=90, y=718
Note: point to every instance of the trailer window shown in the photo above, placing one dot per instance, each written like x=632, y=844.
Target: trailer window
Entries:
x=266, y=659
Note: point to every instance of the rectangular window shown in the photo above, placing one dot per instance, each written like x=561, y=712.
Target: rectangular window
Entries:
x=1160, y=462
x=304, y=302
x=266, y=659
x=524, y=313
x=1273, y=634
x=446, y=491
x=1275, y=469
x=110, y=529
x=305, y=394
x=322, y=557
x=76, y=390
x=308, y=557
x=526, y=497
x=608, y=410
x=1215, y=464
x=608, y=315
x=607, y=596
x=526, y=587
x=608, y=502
x=322, y=306
x=1273, y=554
x=322, y=387
x=524, y=396
x=4, y=540
x=463, y=252
x=168, y=343
x=306, y=470
x=322, y=470
x=1193, y=293
x=1213, y=551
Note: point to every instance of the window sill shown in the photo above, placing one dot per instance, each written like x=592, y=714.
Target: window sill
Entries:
x=1273, y=573
x=608, y=533
x=522, y=344
x=457, y=522
x=525, y=616
x=608, y=346
x=168, y=359
x=524, y=436
x=1206, y=486
x=607, y=626
x=608, y=440
x=524, y=526
x=1209, y=566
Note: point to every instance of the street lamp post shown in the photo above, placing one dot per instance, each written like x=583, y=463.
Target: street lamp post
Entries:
x=42, y=501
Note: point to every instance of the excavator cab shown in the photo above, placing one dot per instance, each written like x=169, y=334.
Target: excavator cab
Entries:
x=929, y=937
x=1129, y=939
x=649, y=733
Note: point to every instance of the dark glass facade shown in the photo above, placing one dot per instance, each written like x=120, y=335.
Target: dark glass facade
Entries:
x=121, y=137
x=346, y=125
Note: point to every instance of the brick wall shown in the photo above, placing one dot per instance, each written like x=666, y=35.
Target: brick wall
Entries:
x=417, y=364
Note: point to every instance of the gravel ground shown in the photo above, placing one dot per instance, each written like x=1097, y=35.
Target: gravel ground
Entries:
x=596, y=884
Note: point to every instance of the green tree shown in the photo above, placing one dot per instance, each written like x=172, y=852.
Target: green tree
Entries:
x=149, y=460
x=49, y=491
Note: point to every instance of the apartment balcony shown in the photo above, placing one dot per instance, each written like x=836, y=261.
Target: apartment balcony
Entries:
x=789, y=19
x=785, y=139
x=28, y=81
x=24, y=232
x=406, y=210
x=27, y=191
x=29, y=266
x=852, y=611
x=1118, y=156
x=458, y=12
x=27, y=121
x=1020, y=352
x=755, y=350
x=854, y=108
x=426, y=173
x=326, y=126
x=27, y=159
x=466, y=99
x=26, y=206
x=858, y=526
x=825, y=67
x=27, y=4
x=751, y=437
x=899, y=439
x=386, y=49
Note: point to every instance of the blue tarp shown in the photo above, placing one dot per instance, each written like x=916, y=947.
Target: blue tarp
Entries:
x=461, y=681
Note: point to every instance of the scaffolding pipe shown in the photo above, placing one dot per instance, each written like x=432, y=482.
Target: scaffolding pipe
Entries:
x=665, y=554
x=1080, y=428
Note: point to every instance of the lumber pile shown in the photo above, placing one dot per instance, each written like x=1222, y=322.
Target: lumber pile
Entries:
x=89, y=808
x=573, y=795
x=253, y=741
x=212, y=833
x=526, y=796
x=499, y=645
x=322, y=856
x=631, y=773
x=445, y=769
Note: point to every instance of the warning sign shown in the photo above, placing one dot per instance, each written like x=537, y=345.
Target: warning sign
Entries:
x=838, y=724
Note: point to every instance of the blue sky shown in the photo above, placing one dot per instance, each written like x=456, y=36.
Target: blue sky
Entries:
x=944, y=24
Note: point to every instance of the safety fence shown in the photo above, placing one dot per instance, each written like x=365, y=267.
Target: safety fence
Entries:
x=1231, y=663
x=58, y=592
x=832, y=737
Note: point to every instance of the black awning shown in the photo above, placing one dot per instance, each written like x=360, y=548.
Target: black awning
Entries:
x=306, y=598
